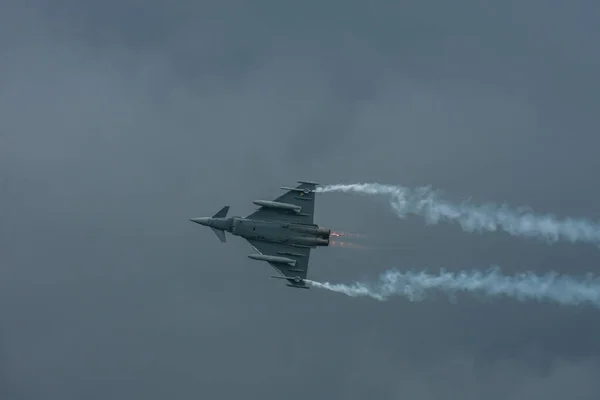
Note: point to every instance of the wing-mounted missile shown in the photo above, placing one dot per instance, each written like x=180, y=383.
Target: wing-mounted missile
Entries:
x=278, y=206
x=273, y=259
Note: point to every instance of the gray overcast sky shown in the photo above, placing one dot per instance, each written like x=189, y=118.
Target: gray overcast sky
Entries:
x=120, y=122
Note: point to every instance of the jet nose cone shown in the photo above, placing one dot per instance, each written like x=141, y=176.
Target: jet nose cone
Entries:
x=201, y=220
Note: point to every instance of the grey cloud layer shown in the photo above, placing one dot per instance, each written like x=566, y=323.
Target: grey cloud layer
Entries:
x=117, y=124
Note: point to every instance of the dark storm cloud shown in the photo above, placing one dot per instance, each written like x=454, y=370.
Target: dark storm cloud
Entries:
x=119, y=122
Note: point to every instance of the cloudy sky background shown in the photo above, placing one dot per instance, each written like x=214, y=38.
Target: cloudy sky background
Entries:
x=119, y=122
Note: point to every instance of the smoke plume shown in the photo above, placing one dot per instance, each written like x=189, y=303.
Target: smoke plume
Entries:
x=519, y=221
x=415, y=286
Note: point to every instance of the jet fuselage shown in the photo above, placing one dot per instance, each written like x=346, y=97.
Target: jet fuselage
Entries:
x=298, y=235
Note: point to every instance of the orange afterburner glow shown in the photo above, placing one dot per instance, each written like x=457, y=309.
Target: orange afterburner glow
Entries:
x=347, y=234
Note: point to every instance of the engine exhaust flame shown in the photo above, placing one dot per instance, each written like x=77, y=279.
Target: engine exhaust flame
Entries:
x=414, y=286
x=520, y=222
x=337, y=243
x=348, y=234
x=349, y=245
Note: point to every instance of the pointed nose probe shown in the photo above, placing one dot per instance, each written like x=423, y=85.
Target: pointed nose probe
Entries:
x=200, y=220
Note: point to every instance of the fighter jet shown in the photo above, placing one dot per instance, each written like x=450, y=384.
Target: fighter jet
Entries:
x=281, y=231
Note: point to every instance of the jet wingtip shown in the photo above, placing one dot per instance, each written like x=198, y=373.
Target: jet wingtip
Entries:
x=298, y=286
x=309, y=183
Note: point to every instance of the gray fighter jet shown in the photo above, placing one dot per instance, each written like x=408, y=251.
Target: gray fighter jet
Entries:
x=281, y=231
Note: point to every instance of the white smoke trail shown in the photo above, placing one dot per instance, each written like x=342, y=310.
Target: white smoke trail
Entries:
x=477, y=218
x=414, y=286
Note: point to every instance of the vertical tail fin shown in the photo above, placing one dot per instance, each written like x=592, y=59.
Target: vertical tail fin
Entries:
x=222, y=213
